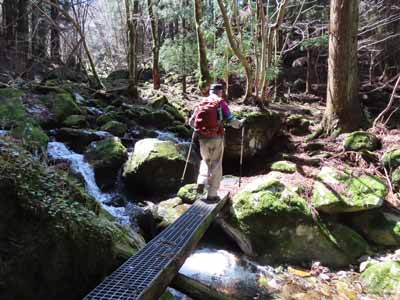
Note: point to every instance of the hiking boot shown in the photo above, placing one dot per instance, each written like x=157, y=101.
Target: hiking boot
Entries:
x=200, y=188
x=212, y=199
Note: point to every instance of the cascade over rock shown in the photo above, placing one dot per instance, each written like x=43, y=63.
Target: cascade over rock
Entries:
x=260, y=128
x=79, y=139
x=270, y=220
x=337, y=191
x=107, y=156
x=155, y=167
x=61, y=243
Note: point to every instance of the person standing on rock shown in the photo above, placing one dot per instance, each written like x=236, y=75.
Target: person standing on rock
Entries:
x=208, y=122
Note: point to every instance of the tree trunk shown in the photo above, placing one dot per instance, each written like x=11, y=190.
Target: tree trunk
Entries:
x=132, y=41
x=205, y=77
x=156, y=44
x=238, y=52
x=22, y=35
x=55, y=39
x=343, y=111
x=9, y=12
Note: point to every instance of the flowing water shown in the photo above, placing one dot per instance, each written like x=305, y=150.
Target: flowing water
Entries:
x=229, y=273
x=80, y=166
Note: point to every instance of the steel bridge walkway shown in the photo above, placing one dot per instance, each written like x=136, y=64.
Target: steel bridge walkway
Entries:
x=146, y=275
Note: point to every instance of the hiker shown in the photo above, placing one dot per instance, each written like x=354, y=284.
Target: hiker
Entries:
x=208, y=121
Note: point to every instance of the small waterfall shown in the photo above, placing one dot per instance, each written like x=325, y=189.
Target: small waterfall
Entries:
x=79, y=165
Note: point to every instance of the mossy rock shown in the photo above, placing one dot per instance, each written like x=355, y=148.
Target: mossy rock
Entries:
x=396, y=177
x=158, y=119
x=284, y=166
x=159, y=102
x=361, y=141
x=107, y=157
x=260, y=128
x=391, y=159
x=174, y=112
x=58, y=232
x=13, y=117
x=79, y=139
x=379, y=227
x=298, y=125
x=188, y=193
x=107, y=117
x=61, y=105
x=116, y=128
x=382, y=277
x=170, y=210
x=272, y=221
x=118, y=74
x=182, y=131
x=76, y=121
x=156, y=167
x=338, y=192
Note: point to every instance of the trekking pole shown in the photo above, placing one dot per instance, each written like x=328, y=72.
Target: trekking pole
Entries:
x=241, y=157
x=188, y=156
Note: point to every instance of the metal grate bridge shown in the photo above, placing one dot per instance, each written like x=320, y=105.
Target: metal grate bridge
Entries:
x=146, y=275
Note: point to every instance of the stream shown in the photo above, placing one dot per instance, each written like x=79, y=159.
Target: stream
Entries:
x=223, y=270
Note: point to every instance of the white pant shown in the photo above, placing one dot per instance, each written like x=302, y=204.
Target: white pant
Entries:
x=212, y=151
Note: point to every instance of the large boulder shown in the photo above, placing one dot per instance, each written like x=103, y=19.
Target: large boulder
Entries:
x=107, y=157
x=79, y=139
x=382, y=277
x=270, y=220
x=260, y=128
x=14, y=117
x=361, y=141
x=61, y=244
x=155, y=167
x=170, y=210
x=377, y=226
x=61, y=105
x=116, y=128
x=341, y=191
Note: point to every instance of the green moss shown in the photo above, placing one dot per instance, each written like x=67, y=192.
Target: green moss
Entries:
x=61, y=105
x=280, y=227
x=57, y=232
x=383, y=277
x=116, y=128
x=14, y=117
x=342, y=192
x=107, y=152
x=107, y=117
x=76, y=121
x=9, y=93
x=170, y=108
x=396, y=177
x=188, y=193
x=391, y=159
x=158, y=119
x=361, y=141
x=284, y=166
x=170, y=210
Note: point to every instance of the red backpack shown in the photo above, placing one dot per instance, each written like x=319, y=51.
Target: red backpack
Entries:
x=206, y=120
